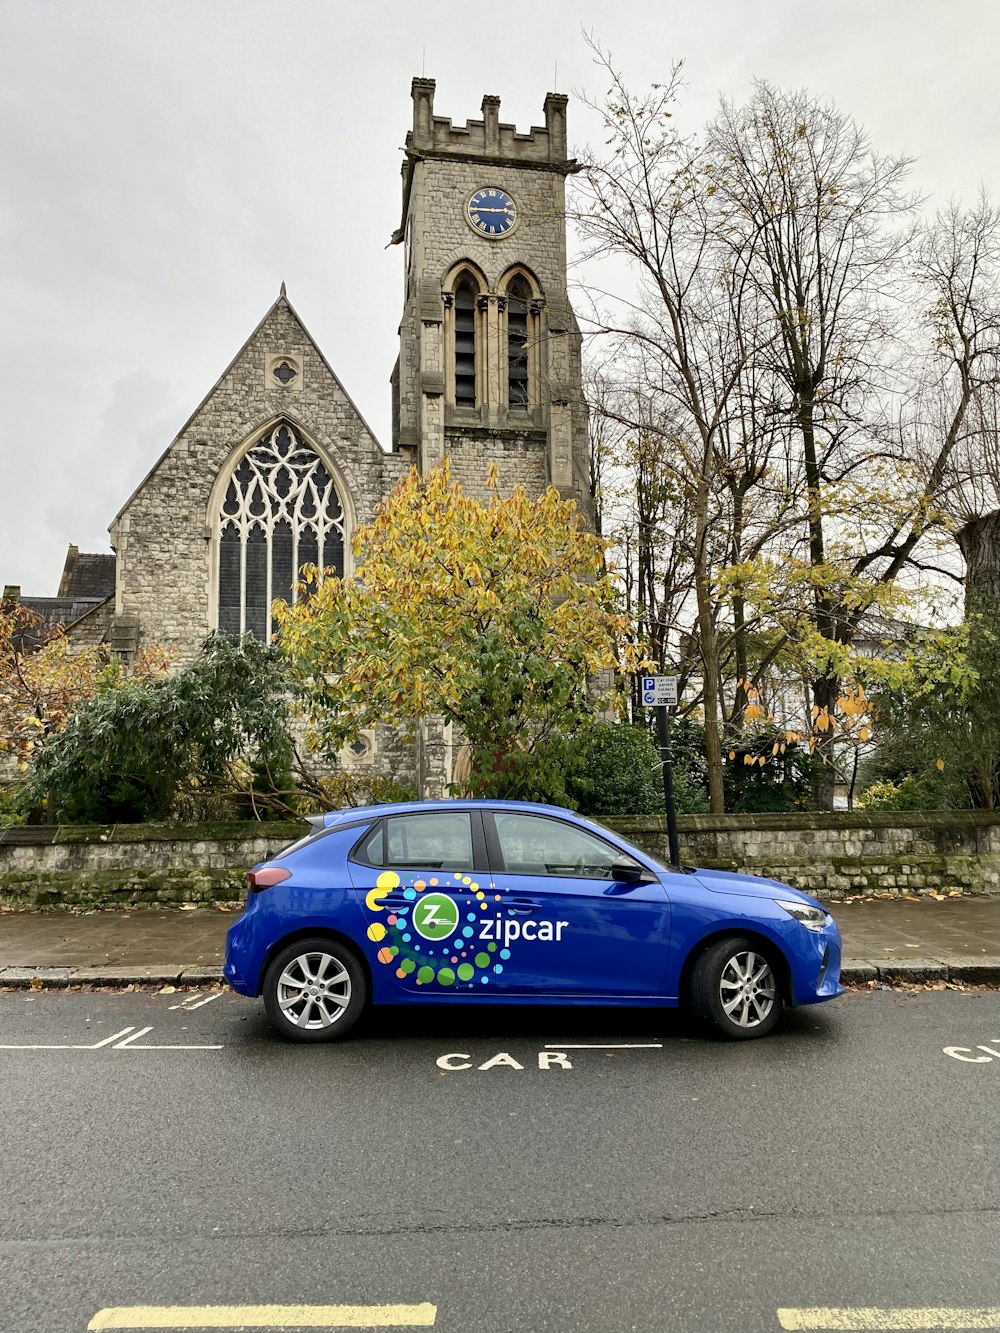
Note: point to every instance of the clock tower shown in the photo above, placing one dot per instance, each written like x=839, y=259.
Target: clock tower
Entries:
x=489, y=365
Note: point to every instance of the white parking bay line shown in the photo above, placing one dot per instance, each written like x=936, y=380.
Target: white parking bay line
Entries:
x=6, y=1046
x=605, y=1046
x=141, y=1032
x=207, y=1000
x=865, y=1319
x=265, y=1316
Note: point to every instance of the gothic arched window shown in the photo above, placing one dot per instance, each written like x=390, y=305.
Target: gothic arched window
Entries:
x=281, y=511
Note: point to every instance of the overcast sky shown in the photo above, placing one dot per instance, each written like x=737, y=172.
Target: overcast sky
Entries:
x=166, y=163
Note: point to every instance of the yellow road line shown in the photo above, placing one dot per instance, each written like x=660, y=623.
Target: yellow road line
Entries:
x=265, y=1316
x=863, y=1319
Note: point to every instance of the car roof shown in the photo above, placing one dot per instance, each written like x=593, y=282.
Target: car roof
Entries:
x=352, y=814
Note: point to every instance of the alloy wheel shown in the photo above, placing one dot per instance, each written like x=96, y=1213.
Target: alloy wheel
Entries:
x=314, y=991
x=747, y=989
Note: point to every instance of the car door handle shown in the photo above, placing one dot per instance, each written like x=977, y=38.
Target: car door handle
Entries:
x=523, y=904
x=394, y=900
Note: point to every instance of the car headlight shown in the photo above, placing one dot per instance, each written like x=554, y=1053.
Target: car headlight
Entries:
x=813, y=918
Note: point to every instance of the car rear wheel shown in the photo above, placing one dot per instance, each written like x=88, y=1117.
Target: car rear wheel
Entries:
x=735, y=989
x=315, y=990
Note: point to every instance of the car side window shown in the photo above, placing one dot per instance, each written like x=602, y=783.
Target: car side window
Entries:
x=534, y=845
x=433, y=841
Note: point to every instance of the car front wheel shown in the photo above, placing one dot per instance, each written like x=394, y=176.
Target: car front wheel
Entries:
x=315, y=990
x=735, y=989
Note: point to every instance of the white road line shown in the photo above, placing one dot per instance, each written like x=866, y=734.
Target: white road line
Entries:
x=866, y=1319
x=264, y=1316
x=605, y=1046
x=118, y=1041
x=106, y=1042
x=134, y=1037
x=43, y=1046
x=170, y=1048
x=185, y=1002
x=207, y=1000
x=132, y=1044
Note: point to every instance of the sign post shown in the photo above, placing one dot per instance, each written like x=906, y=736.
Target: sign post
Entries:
x=660, y=692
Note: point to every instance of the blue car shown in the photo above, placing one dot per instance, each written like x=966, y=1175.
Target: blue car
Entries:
x=502, y=902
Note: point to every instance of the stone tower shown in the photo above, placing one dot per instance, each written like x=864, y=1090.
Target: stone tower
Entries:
x=489, y=365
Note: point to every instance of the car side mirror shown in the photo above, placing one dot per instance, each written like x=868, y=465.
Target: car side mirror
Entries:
x=627, y=872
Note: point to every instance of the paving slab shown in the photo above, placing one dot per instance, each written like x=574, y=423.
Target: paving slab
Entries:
x=143, y=937
x=940, y=930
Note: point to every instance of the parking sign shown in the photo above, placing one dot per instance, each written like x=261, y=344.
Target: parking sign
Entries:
x=659, y=691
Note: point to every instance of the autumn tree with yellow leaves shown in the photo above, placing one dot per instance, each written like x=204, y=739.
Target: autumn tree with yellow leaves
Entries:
x=497, y=616
x=44, y=679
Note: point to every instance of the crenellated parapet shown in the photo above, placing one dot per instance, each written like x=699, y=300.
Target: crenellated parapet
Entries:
x=489, y=139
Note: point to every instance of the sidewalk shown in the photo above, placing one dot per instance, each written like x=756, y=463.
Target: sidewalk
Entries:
x=955, y=939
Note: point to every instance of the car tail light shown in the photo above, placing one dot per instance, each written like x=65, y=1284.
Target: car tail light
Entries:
x=267, y=877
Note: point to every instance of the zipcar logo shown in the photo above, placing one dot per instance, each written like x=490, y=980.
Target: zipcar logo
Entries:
x=435, y=916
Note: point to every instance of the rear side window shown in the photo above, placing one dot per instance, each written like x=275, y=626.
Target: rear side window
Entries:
x=438, y=840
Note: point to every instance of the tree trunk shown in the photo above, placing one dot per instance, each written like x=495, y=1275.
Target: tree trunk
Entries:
x=709, y=647
x=979, y=542
x=825, y=691
x=825, y=688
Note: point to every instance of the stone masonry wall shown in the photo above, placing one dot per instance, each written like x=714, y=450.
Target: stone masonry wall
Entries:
x=832, y=855
x=840, y=854
x=122, y=864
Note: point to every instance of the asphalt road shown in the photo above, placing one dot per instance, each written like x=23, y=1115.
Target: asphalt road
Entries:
x=847, y=1161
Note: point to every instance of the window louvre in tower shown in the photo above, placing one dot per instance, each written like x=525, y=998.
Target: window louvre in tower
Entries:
x=281, y=511
x=465, y=343
x=518, y=296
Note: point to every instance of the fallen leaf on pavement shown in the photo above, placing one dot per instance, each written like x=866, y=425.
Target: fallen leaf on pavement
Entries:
x=36, y=983
x=167, y=990
x=189, y=907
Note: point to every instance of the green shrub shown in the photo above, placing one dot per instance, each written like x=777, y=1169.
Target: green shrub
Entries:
x=12, y=807
x=617, y=773
x=914, y=792
x=939, y=731
x=147, y=751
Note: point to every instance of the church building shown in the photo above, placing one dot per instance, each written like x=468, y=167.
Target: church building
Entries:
x=276, y=466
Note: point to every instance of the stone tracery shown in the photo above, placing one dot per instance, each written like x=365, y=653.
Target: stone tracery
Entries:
x=281, y=511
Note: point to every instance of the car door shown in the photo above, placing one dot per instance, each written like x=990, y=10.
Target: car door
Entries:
x=417, y=878
x=563, y=922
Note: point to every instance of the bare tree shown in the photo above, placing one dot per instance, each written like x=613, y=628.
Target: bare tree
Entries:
x=814, y=220
x=958, y=269
x=688, y=336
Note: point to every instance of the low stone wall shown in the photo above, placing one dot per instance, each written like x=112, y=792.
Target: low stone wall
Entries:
x=839, y=854
x=832, y=855
x=122, y=864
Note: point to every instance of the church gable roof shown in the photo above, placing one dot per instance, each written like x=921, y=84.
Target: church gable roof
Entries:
x=245, y=395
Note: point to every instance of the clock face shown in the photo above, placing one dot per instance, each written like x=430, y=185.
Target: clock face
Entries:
x=491, y=212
